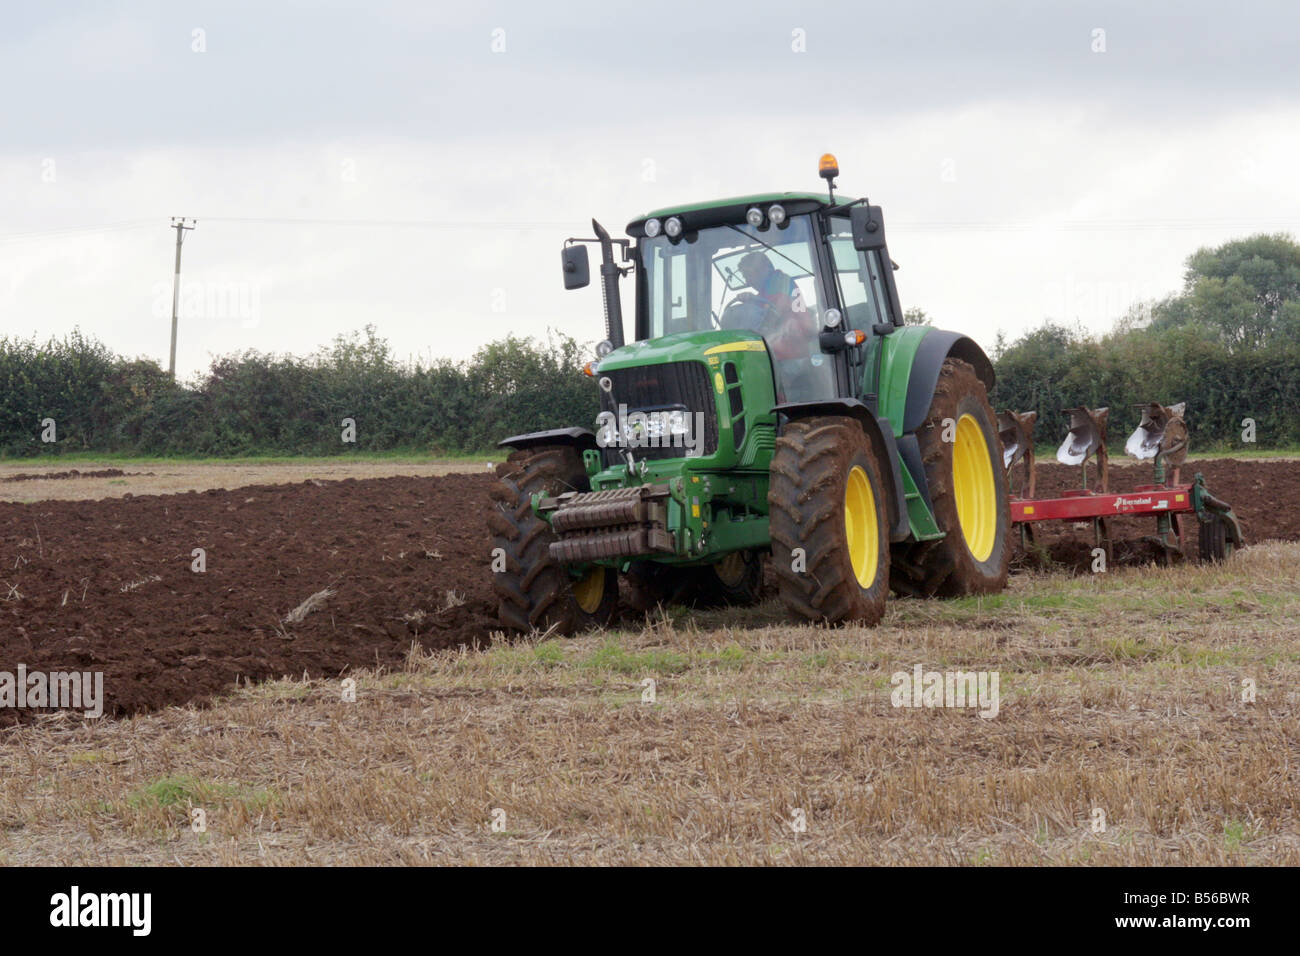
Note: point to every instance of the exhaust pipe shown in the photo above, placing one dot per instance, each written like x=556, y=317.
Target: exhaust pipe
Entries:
x=609, y=276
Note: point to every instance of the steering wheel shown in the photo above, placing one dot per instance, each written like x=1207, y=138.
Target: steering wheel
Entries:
x=750, y=314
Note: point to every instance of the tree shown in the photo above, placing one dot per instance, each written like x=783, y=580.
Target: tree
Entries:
x=1245, y=292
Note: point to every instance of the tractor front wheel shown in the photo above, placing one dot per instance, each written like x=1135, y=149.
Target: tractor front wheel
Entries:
x=535, y=592
x=829, y=522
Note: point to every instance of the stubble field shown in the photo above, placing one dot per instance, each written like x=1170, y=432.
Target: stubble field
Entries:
x=1121, y=736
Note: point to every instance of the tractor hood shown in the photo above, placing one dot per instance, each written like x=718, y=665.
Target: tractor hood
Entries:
x=682, y=347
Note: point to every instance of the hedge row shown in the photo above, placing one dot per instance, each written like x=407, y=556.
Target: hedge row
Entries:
x=1051, y=370
x=253, y=403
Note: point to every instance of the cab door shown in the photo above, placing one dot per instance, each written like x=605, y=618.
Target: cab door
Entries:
x=864, y=290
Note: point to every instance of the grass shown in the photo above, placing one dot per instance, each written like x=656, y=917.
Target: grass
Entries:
x=397, y=456
x=409, y=455
x=175, y=475
x=1121, y=692
x=1244, y=451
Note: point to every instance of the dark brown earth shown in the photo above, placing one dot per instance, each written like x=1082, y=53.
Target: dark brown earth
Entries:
x=73, y=473
x=107, y=585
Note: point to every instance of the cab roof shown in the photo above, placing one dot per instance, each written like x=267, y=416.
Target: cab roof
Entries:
x=755, y=199
x=715, y=211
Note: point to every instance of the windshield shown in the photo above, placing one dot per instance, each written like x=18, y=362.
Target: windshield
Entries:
x=698, y=283
x=739, y=277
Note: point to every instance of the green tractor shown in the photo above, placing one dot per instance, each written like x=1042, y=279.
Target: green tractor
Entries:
x=772, y=402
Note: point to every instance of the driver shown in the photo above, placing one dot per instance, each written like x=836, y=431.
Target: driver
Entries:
x=788, y=325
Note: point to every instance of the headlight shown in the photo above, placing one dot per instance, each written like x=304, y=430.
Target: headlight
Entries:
x=604, y=348
x=651, y=228
x=832, y=319
x=673, y=227
x=754, y=216
x=776, y=214
x=606, y=429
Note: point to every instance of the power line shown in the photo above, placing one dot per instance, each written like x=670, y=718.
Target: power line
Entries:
x=899, y=225
x=1122, y=225
x=399, y=223
x=80, y=230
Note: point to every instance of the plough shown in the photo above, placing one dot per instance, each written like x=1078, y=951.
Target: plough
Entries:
x=1161, y=437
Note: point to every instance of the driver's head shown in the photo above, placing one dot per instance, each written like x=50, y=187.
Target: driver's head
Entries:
x=755, y=267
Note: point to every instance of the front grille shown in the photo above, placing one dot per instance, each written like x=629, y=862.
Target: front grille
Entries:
x=672, y=386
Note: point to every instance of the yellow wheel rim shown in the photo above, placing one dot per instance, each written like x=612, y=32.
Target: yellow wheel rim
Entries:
x=589, y=590
x=731, y=569
x=860, y=527
x=974, y=488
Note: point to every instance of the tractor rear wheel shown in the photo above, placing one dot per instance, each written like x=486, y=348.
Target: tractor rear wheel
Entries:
x=962, y=456
x=829, y=522
x=535, y=592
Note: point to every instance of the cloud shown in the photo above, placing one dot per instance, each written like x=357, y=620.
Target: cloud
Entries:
x=352, y=164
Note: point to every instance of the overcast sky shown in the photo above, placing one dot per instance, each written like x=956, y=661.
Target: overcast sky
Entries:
x=418, y=165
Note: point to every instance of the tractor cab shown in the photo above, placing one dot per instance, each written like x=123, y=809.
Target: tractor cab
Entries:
x=786, y=268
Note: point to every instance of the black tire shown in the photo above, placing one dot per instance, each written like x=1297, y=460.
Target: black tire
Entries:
x=817, y=463
x=533, y=591
x=948, y=567
x=650, y=584
x=1214, y=544
x=736, y=580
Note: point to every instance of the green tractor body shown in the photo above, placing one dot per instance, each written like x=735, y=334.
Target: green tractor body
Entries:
x=772, y=402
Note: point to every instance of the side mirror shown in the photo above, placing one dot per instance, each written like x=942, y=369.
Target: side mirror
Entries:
x=868, y=224
x=577, y=270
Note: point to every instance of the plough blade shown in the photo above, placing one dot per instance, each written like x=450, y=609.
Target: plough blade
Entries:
x=1087, y=437
x=1016, y=431
x=1161, y=432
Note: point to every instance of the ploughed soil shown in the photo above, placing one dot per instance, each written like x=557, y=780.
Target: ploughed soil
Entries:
x=109, y=585
x=73, y=473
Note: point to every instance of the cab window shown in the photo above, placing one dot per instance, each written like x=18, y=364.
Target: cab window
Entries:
x=862, y=290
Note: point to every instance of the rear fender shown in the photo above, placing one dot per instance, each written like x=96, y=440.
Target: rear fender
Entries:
x=928, y=362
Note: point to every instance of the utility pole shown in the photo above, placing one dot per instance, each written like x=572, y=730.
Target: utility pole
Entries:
x=178, y=223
